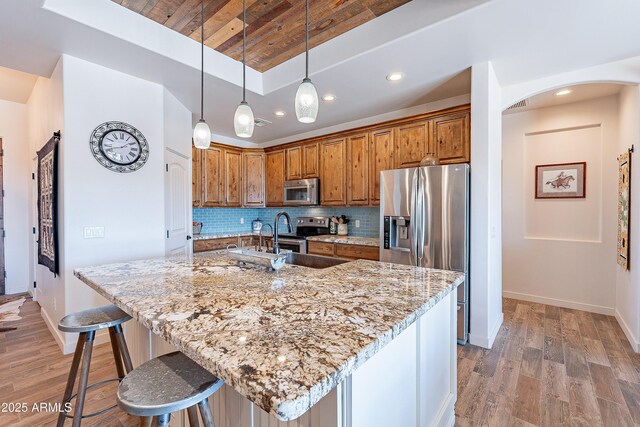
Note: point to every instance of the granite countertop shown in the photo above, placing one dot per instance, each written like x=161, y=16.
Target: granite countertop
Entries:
x=283, y=348
x=348, y=240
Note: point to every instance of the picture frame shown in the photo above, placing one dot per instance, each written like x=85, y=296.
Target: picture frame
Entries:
x=561, y=181
x=624, y=208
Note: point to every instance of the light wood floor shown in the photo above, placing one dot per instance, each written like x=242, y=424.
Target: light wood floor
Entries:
x=550, y=366
x=33, y=370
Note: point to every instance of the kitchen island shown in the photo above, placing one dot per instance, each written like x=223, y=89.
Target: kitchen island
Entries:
x=359, y=344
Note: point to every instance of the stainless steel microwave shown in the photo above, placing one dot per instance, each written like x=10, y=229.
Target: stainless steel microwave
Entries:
x=301, y=192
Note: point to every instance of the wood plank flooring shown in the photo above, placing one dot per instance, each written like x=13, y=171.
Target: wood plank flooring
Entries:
x=550, y=366
x=33, y=370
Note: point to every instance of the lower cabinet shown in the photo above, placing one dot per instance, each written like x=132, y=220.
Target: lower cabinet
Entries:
x=343, y=250
x=214, y=244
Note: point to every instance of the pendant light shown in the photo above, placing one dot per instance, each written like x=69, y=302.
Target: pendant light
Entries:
x=306, y=103
x=243, y=121
x=201, y=132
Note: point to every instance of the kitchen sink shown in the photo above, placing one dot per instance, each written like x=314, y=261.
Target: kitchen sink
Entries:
x=313, y=261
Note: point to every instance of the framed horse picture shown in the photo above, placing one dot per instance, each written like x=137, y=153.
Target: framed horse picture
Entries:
x=561, y=181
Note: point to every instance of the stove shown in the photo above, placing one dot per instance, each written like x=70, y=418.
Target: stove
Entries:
x=305, y=227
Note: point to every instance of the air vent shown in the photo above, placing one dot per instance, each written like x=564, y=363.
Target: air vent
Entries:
x=519, y=104
x=261, y=122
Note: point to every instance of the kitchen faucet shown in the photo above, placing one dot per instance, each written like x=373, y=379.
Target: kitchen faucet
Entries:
x=260, y=239
x=276, y=246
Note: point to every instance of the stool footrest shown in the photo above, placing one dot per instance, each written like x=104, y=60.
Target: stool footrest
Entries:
x=73, y=396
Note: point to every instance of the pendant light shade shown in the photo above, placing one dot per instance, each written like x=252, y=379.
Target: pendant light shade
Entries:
x=202, y=132
x=306, y=103
x=202, y=135
x=243, y=121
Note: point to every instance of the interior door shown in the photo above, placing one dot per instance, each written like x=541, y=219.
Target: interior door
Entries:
x=2, y=278
x=177, y=204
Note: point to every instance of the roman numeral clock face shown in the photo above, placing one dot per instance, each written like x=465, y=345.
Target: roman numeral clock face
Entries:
x=119, y=147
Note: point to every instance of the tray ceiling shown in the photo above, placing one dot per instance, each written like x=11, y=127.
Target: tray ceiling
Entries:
x=275, y=28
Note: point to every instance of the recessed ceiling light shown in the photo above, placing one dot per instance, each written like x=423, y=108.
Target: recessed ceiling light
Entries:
x=329, y=97
x=394, y=77
x=280, y=113
x=563, y=92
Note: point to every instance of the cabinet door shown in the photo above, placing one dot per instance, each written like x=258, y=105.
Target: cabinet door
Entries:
x=275, y=178
x=253, y=179
x=196, y=176
x=332, y=173
x=233, y=177
x=294, y=163
x=311, y=160
x=381, y=155
x=358, y=169
x=451, y=138
x=411, y=144
x=213, y=172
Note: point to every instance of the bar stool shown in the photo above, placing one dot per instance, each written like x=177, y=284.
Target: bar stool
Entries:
x=86, y=323
x=166, y=384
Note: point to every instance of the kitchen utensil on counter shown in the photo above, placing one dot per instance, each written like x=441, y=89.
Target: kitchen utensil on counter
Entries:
x=197, y=228
x=256, y=225
x=343, y=229
x=333, y=225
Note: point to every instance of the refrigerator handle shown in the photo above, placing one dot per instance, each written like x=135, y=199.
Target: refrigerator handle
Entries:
x=413, y=224
x=421, y=226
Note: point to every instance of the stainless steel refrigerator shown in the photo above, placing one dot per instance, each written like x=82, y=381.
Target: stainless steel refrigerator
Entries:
x=424, y=221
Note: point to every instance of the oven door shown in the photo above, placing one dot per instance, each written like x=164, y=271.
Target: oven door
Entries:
x=303, y=192
x=298, y=246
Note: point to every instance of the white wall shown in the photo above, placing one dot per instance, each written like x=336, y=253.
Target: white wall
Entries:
x=485, y=241
x=561, y=252
x=13, y=132
x=130, y=206
x=627, y=304
x=45, y=116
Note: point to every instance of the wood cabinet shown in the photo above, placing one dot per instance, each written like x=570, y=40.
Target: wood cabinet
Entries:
x=412, y=141
x=196, y=176
x=358, y=169
x=253, y=179
x=275, y=173
x=333, y=156
x=213, y=177
x=311, y=160
x=294, y=163
x=381, y=158
x=214, y=244
x=343, y=250
x=451, y=138
x=233, y=178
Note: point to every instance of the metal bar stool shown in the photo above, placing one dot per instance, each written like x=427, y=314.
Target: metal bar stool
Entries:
x=86, y=323
x=167, y=384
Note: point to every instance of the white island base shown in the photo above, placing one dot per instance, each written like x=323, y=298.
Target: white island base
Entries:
x=410, y=382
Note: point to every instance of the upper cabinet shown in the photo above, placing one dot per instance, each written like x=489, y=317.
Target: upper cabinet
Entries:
x=381, y=158
x=213, y=177
x=275, y=171
x=451, y=138
x=196, y=180
x=253, y=179
x=294, y=163
x=333, y=155
x=311, y=160
x=412, y=140
x=358, y=169
x=233, y=177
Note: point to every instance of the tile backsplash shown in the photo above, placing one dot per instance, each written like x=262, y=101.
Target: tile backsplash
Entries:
x=228, y=219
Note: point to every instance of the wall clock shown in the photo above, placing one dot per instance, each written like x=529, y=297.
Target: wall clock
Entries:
x=119, y=147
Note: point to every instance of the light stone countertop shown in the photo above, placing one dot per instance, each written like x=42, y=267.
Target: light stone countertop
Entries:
x=284, y=348
x=347, y=240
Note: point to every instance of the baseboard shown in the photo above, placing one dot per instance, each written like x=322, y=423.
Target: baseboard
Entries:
x=69, y=347
x=560, y=303
x=487, y=342
x=627, y=331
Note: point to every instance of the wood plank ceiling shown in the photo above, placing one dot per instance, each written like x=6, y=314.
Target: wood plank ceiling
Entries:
x=275, y=28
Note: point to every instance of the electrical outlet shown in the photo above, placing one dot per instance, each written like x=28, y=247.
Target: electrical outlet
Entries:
x=94, y=232
x=357, y=223
x=241, y=220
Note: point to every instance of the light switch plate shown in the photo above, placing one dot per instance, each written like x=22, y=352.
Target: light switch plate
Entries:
x=94, y=232
x=357, y=223
x=241, y=220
